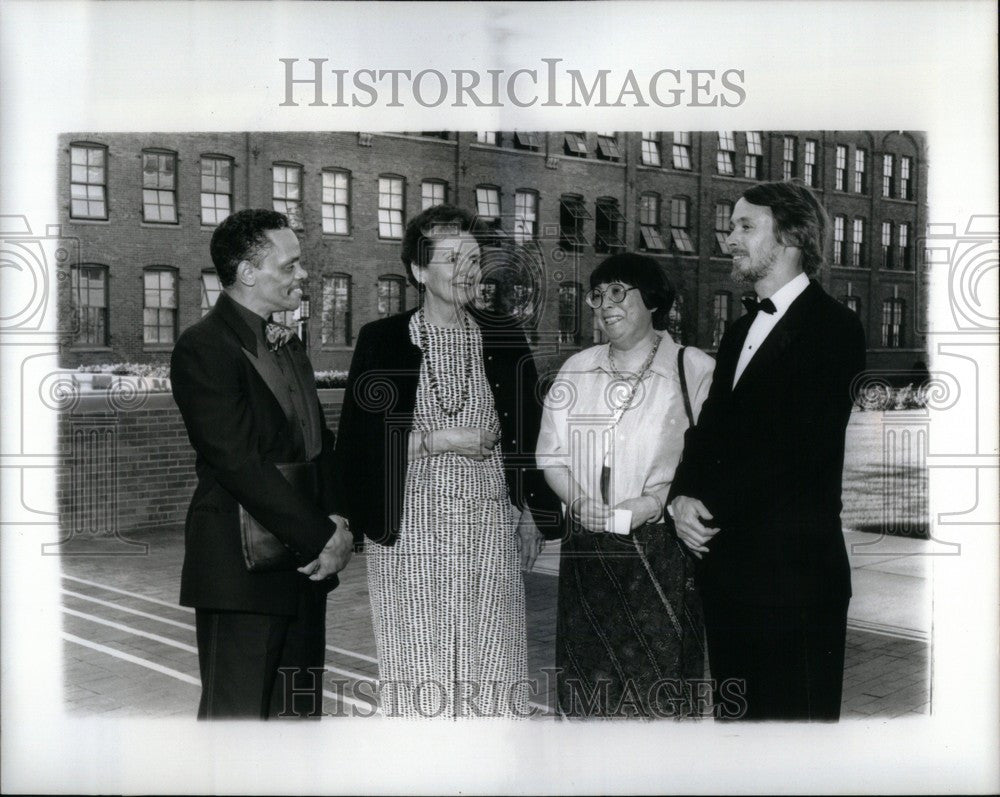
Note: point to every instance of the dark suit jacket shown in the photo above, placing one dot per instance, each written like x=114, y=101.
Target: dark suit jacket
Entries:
x=239, y=429
x=767, y=457
x=373, y=437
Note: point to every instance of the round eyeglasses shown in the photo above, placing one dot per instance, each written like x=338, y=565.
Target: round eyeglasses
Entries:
x=615, y=292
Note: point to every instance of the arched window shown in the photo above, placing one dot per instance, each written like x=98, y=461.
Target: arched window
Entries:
x=391, y=295
x=391, y=205
x=433, y=192
x=336, y=202
x=216, y=189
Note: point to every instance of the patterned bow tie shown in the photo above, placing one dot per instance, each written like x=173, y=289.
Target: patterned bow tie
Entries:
x=764, y=305
x=277, y=335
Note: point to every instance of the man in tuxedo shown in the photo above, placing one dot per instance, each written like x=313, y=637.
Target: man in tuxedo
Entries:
x=757, y=495
x=246, y=391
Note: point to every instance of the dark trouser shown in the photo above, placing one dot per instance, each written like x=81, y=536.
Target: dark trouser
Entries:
x=260, y=666
x=787, y=661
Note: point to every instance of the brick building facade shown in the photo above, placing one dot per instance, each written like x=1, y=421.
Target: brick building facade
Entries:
x=143, y=207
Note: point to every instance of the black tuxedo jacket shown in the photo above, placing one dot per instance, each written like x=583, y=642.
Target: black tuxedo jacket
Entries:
x=767, y=457
x=375, y=423
x=240, y=428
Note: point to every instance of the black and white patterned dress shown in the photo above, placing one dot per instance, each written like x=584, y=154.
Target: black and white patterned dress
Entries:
x=448, y=598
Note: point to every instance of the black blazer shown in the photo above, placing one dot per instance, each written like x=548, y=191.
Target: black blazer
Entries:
x=381, y=393
x=239, y=430
x=767, y=457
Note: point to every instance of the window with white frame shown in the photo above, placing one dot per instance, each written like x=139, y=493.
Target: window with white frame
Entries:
x=391, y=295
x=725, y=157
x=905, y=165
x=887, y=245
x=335, y=326
x=892, y=323
x=839, y=225
x=90, y=305
x=860, y=171
x=840, y=169
x=649, y=223
x=488, y=203
x=390, y=207
x=858, y=243
x=433, y=192
x=650, y=153
x=216, y=189
x=809, y=163
x=159, y=310
x=88, y=181
x=525, y=216
x=755, y=155
x=336, y=202
x=210, y=290
x=789, y=167
x=679, y=221
x=723, y=216
x=159, y=187
x=286, y=192
x=905, y=254
x=680, y=151
x=888, y=161
x=492, y=138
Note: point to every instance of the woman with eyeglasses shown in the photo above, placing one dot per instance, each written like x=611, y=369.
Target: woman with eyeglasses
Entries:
x=629, y=631
x=435, y=464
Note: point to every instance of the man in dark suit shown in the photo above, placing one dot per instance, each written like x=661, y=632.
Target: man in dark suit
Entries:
x=758, y=492
x=246, y=391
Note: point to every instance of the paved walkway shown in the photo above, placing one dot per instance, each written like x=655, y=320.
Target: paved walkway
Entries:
x=130, y=649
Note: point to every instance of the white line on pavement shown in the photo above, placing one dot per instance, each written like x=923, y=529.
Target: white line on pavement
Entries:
x=361, y=656
x=130, y=594
x=165, y=640
x=150, y=665
x=120, y=608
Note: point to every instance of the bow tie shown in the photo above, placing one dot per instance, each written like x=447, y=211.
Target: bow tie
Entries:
x=764, y=305
x=277, y=335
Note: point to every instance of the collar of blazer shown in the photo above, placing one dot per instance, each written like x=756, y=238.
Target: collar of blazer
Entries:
x=795, y=319
x=266, y=367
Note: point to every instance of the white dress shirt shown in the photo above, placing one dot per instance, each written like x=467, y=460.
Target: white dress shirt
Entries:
x=765, y=322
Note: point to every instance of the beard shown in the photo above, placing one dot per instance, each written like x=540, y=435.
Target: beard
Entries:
x=751, y=272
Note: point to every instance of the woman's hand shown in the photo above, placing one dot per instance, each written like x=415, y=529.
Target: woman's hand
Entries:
x=644, y=509
x=529, y=540
x=473, y=442
x=592, y=515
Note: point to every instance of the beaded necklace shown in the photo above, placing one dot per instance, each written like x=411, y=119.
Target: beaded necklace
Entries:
x=432, y=375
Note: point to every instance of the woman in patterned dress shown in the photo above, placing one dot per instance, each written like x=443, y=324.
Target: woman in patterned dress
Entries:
x=629, y=635
x=436, y=442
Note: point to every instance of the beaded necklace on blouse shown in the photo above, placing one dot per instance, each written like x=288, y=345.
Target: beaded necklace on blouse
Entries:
x=432, y=371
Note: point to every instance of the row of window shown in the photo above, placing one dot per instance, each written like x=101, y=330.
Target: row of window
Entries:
x=892, y=328
x=896, y=250
x=159, y=314
x=88, y=178
x=90, y=300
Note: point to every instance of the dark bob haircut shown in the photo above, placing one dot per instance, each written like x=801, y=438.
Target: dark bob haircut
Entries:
x=436, y=222
x=240, y=237
x=644, y=273
x=799, y=218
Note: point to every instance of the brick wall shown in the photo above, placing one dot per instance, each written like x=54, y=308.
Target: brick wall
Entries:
x=130, y=469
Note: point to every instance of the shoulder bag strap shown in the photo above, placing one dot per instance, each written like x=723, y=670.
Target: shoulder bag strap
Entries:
x=684, y=386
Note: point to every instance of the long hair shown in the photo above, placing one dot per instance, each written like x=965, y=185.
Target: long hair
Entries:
x=799, y=218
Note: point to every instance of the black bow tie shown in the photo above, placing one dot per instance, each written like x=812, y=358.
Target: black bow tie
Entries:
x=764, y=305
